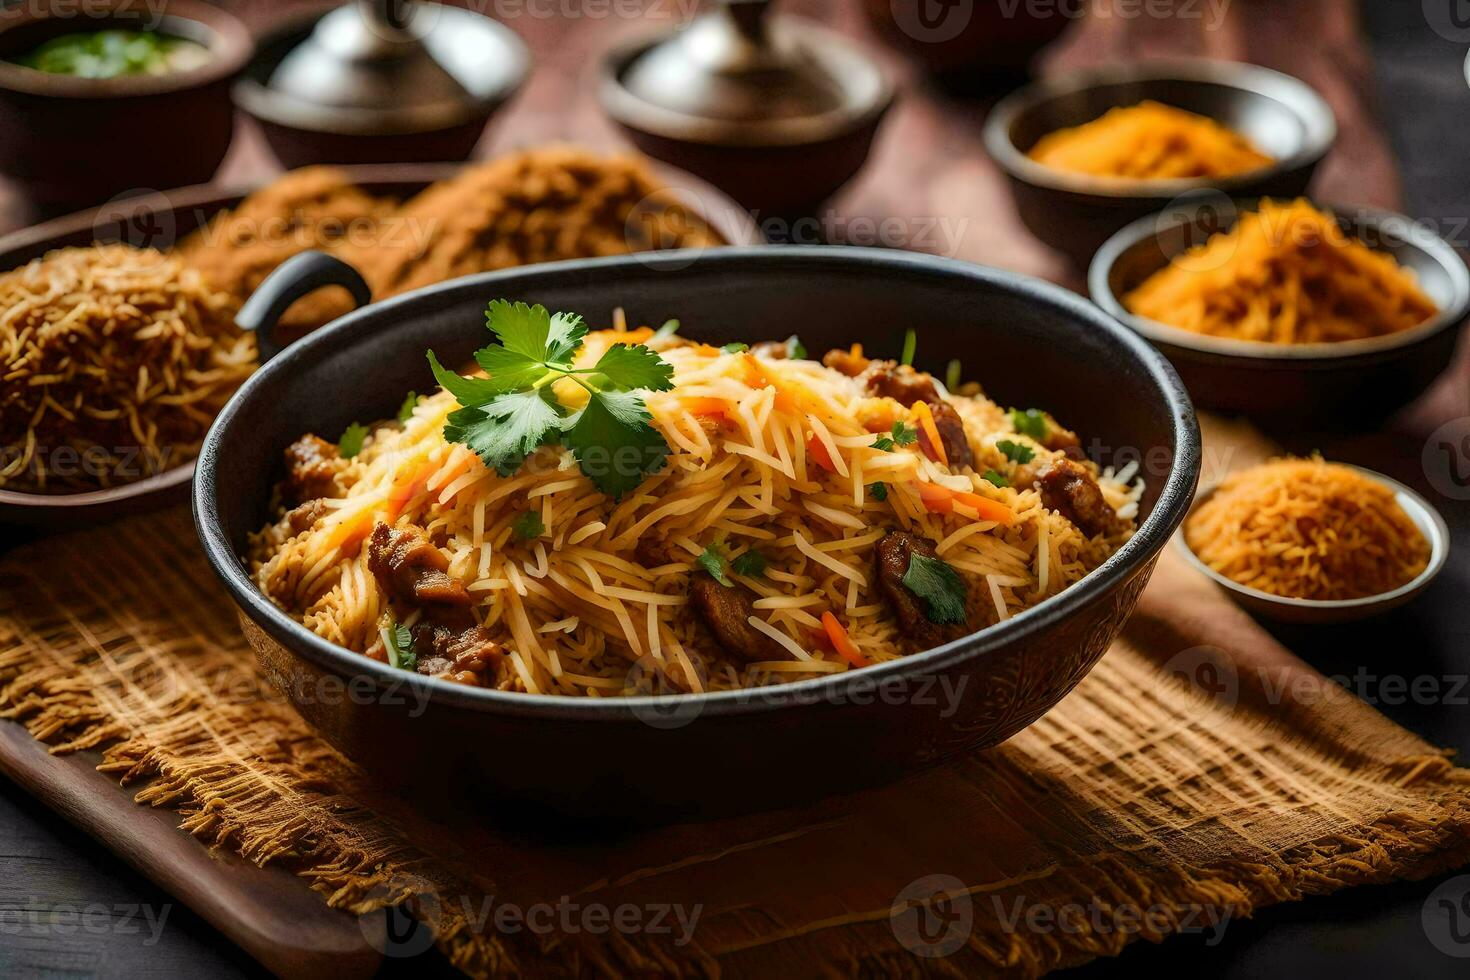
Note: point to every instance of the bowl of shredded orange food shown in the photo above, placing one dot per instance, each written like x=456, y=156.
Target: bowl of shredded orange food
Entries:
x=1088, y=152
x=1287, y=310
x=1311, y=541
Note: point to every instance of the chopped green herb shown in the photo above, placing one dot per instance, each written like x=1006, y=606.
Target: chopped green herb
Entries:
x=528, y=526
x=904, y=435
x=399, y=642
x=952, y=375
x=1015, y=452
x=713, y=562
x=995, y=478
x=352, y=439
x=878, y=491
x=751, y=564
x=504, y=417
x=910, y=346
x=410, y=402
x=1031, y=422
x=939, y=585
x=669, y=328
x=795, y=349
x=734, y=348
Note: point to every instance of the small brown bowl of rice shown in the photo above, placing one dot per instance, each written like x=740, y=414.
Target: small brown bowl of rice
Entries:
x=1312, y=542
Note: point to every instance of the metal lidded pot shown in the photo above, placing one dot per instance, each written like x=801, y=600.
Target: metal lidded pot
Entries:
x=776, y=111
x=382, y=81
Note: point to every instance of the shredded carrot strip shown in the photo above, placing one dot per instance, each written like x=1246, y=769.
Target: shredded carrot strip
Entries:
x=841, y=642
x=817, y=450
x=933, y=446
x=941, y=500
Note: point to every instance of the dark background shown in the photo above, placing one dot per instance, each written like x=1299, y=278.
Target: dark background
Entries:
x=1425, y=103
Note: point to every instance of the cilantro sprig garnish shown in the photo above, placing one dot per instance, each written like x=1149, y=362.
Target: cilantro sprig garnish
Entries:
x=1015, y=452
x=528, y=526
x=996, y=479
x=901, y=435
x=878, y=491
x=713, y=562
x=939, y=585
x=350, y=444
x=751, y=564
x=410, y=402
x=505, y=416
x=401, y=652
x=1031, y=422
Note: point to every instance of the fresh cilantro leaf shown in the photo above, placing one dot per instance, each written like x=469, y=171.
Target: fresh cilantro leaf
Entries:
x=467, y=391
x=1015, y=452
x=910, y=346
x=1031, y=423
x=878, y=491
x=614, y=442
x=952, y=375
x=410, y=402
x=627, y=368
x=995, y=478
x=535, y=333
x=734, y=348
x=795, y=349
x=713, y=562
x=506, y=429
x=669, y=328
x=904, y=435
x=751, y=564
x=528, y=526
x=883, y=442
x=507, y=369
x=352, y=439
x=401, y=653
x=939, y=585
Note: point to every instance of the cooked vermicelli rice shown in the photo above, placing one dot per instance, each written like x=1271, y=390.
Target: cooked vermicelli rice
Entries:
x=769, y=454
x=115, y=360
x=1307, y=529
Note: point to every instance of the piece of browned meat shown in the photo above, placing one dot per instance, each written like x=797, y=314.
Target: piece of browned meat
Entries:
x=776, y=350
x=888, y=379
x=409, y=568
x=312, y=463
x=453, y=634
x=726, y=610
x=1070, y=489
x=847, y=362
x=893, y=554
x=305, y=515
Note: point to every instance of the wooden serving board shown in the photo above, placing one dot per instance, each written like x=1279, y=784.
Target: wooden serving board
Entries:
x=267, y=912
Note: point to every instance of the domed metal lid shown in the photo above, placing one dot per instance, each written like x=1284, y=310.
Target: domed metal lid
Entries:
x=739, y=75
x=394, y=66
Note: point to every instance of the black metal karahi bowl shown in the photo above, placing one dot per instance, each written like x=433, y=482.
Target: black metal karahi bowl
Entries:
x=1075, y=213
x=1341, y=384
x=658, y=758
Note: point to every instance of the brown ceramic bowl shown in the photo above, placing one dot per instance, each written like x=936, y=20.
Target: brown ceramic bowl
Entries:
x=969, y=44
x=1076, y=213
x=300, y=135
x=70, y=141
x=1329, y=385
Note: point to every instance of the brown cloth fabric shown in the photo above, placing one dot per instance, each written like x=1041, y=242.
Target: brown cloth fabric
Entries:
x=1201, y=771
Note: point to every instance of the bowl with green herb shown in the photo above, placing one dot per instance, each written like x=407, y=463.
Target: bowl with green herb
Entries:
x=115, y=97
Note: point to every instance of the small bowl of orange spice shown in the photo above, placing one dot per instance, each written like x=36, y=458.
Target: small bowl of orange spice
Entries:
x=1310, y=541
x=1088, y=152
x=1291, y=312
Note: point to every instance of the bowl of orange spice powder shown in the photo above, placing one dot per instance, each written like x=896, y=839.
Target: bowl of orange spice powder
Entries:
x=1309, y=541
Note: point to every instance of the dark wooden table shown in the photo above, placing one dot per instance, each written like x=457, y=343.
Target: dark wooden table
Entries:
x=68, y=907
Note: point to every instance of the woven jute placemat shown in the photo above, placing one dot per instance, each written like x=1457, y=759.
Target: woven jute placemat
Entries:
x=1200, y=772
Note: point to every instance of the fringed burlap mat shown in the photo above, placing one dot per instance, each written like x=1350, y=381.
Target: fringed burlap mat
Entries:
x=1200, y=772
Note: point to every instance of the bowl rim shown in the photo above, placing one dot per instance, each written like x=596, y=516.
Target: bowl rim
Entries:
x=1433, y=527
x=1331, y=353
x=1134, y=557
x=230, y=45
x=716, y=207
x=1303, y=101
x=266, y=105
x=635, y=113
